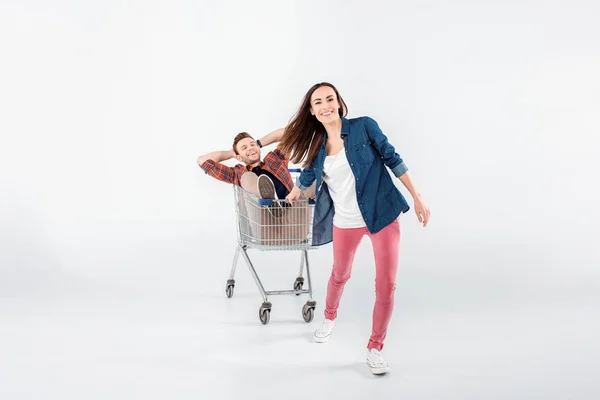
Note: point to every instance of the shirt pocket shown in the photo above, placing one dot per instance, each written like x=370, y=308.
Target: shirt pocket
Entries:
x=364, y=152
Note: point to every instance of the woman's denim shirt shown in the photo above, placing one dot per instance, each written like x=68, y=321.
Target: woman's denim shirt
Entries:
x=368, y=152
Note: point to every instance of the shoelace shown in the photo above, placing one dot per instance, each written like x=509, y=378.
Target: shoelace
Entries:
x=377, y=360
x=323, y=327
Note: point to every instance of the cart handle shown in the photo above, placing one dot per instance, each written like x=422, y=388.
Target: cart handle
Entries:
x=268, y=202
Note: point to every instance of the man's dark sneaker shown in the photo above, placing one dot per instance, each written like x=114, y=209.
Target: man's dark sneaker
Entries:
x=266, y=188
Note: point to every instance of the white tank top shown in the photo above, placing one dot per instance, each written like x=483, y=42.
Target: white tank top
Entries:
x=341, y=183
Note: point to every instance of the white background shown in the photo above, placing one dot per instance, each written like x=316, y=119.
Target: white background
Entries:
x=116, y=247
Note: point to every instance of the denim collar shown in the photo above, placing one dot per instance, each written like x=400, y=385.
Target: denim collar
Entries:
x=345, y=129
x=345, y=126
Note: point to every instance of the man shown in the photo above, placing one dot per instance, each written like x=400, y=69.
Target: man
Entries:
x=267, y=179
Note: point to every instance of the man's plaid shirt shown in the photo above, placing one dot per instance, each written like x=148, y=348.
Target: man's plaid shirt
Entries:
x=275, y=162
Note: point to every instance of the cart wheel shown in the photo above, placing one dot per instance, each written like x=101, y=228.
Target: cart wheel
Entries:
x=264, y=313
x=298, y=283
x=229, y=288
x=308, y=313
x=265, y=316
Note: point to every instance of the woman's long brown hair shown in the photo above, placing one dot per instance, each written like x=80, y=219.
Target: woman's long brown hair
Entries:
x=304, y=134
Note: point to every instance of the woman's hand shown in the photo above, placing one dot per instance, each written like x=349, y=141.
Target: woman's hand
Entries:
x=422, y=211
x=294, y=194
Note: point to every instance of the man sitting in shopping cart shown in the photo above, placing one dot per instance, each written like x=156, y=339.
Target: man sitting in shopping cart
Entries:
x=266, y=179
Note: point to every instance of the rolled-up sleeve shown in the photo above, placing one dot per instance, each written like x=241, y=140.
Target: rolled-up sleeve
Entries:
x=386, y=150
x=221, y=171
x=306, y=178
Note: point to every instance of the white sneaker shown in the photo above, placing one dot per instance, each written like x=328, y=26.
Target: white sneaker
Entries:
x=323, y=332
x=377, y=363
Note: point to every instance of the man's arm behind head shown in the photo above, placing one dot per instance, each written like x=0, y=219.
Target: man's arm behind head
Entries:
x=216, y=156
x=211, y=164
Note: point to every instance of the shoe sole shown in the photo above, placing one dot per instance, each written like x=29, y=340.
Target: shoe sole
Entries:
x=379, y=371
x=321, y=340
x=266, y=188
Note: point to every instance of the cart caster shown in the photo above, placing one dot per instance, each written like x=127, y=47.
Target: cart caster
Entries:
x=229, y=288
x=298, y=283
x=264, y=313
x=308, y=311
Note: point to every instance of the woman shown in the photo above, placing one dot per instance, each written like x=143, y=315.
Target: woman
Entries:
x=355, y=197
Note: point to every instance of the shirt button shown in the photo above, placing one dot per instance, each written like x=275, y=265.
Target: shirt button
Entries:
x=356, y=178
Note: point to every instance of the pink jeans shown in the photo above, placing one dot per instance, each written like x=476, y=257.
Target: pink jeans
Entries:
x=386, y=246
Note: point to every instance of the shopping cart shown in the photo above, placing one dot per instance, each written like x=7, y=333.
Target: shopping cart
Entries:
x=274, y=225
